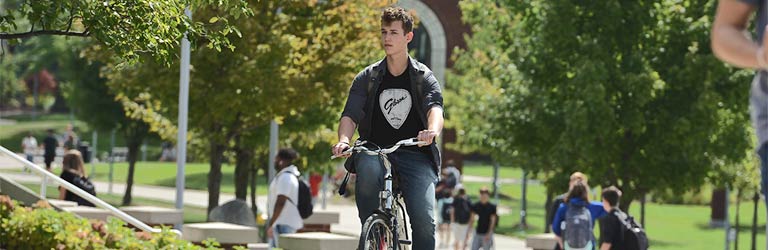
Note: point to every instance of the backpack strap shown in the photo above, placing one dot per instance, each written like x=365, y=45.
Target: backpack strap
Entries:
x=298, y=179
x=622, y=218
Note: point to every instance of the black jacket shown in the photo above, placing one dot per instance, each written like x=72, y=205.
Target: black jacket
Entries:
x=424, y=88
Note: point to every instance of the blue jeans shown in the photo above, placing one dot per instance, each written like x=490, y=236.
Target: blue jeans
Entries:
x=417, y=182
x=278, y=230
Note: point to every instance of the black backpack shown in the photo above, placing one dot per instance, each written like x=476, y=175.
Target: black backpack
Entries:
x=305, y=199
x=633, y=233
x=461, y=210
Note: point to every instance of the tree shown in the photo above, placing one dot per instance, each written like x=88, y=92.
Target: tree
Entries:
x=10, y=84
x=85, y=91
x=274, y=73
x=627, y=92
x=128, y=28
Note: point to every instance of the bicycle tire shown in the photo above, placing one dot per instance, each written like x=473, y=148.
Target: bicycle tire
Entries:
x=377, y=234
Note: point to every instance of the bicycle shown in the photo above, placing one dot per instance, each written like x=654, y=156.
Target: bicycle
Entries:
x=384, y=227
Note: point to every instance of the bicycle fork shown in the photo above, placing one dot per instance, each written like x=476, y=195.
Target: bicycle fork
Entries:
x=386, y=197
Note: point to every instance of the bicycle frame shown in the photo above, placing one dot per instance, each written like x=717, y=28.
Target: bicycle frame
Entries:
x=387, y=197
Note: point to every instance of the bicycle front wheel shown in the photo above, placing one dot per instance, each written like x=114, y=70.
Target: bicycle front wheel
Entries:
x=377, y=234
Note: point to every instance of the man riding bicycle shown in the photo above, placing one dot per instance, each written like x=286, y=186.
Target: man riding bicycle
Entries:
x=394, y=99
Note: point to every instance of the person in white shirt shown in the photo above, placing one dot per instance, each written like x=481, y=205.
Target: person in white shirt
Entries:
x=29, y=144
x=284, y=197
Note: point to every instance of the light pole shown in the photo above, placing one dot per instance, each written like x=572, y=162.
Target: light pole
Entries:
x=181, y=140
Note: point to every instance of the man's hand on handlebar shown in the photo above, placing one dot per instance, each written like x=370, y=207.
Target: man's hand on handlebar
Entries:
x=427, y=136
x=339, y=148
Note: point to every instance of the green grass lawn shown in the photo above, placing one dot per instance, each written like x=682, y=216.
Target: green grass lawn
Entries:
x=668, y=226
x=192, y=214
x=11, y=135
x=164, y=174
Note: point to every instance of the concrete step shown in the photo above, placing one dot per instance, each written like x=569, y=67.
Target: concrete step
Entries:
x=90, y=212
x=541, y=241
x=317, y=241
x=224, y=233
x=62, y=203
x=155, y=215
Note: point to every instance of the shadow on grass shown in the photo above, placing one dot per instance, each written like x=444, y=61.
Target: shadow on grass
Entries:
x=659, y=243
x=743, y=228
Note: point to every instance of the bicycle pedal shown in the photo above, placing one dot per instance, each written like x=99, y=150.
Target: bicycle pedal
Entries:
x=406, y=242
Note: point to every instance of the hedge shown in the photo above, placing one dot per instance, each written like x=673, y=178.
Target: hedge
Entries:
x=42, y=227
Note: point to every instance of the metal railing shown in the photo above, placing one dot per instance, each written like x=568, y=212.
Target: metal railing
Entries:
x=85, y=195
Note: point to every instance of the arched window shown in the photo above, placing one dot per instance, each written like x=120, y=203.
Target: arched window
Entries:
x=421, y=46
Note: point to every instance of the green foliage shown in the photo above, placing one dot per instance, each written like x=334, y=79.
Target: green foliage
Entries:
x=273, y=74
x=128, y=28
x=11, y=87
x=45, y=228
x=627, y=92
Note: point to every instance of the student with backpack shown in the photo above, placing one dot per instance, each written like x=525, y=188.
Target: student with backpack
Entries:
x=289, y=198
x=460, y=212
x=618, y=231
x=575, y=219
x=444, y=202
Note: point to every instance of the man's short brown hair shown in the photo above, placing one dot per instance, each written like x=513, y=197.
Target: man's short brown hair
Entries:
x=612, y=195
x=394, y=13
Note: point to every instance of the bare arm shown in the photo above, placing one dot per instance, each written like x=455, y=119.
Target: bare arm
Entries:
x=605, y=246
x=453, y=217
x=492, y=227
x=434, y=125
x=470, y=224
x=279, y=204
x=346, y=130
x=62, y=193
x=730, y=39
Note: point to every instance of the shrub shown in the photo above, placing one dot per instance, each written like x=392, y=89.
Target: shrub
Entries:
x=46, y=228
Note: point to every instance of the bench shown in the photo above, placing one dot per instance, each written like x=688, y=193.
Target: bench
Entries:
x=119, y=154
x=320, y=221
x=541, y=241
x=229, y=235
x=317, y=241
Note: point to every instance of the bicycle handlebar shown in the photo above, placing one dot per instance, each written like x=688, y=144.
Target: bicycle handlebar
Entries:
x=360, y=148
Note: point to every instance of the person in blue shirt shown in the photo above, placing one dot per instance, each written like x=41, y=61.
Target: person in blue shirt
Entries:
x=579, y=196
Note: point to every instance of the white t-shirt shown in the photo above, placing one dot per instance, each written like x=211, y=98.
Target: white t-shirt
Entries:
x=30, y=145
x=286, y=183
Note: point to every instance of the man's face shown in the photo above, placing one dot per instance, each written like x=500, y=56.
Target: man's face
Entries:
x=278, y=162
x=606, y=205
x=394, y=39
x=484, y=197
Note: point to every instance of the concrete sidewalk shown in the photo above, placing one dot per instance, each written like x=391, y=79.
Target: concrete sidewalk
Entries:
x=349, y=223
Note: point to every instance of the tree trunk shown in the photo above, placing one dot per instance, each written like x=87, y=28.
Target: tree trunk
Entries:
x=738, y=205
x=214, y=175
x=755, y=199
x=642, y=211
x=134, y=136
x=548, y=212
x=243, y=162
x=717, y=207
x=132, y=155
x=253, y=175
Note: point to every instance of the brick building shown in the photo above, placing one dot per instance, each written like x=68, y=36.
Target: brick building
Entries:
x=440, y=31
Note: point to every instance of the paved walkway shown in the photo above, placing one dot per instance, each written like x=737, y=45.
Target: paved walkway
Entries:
x=349, y=224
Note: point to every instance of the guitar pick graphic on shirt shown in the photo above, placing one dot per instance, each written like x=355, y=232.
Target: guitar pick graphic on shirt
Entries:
x=395, y=104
